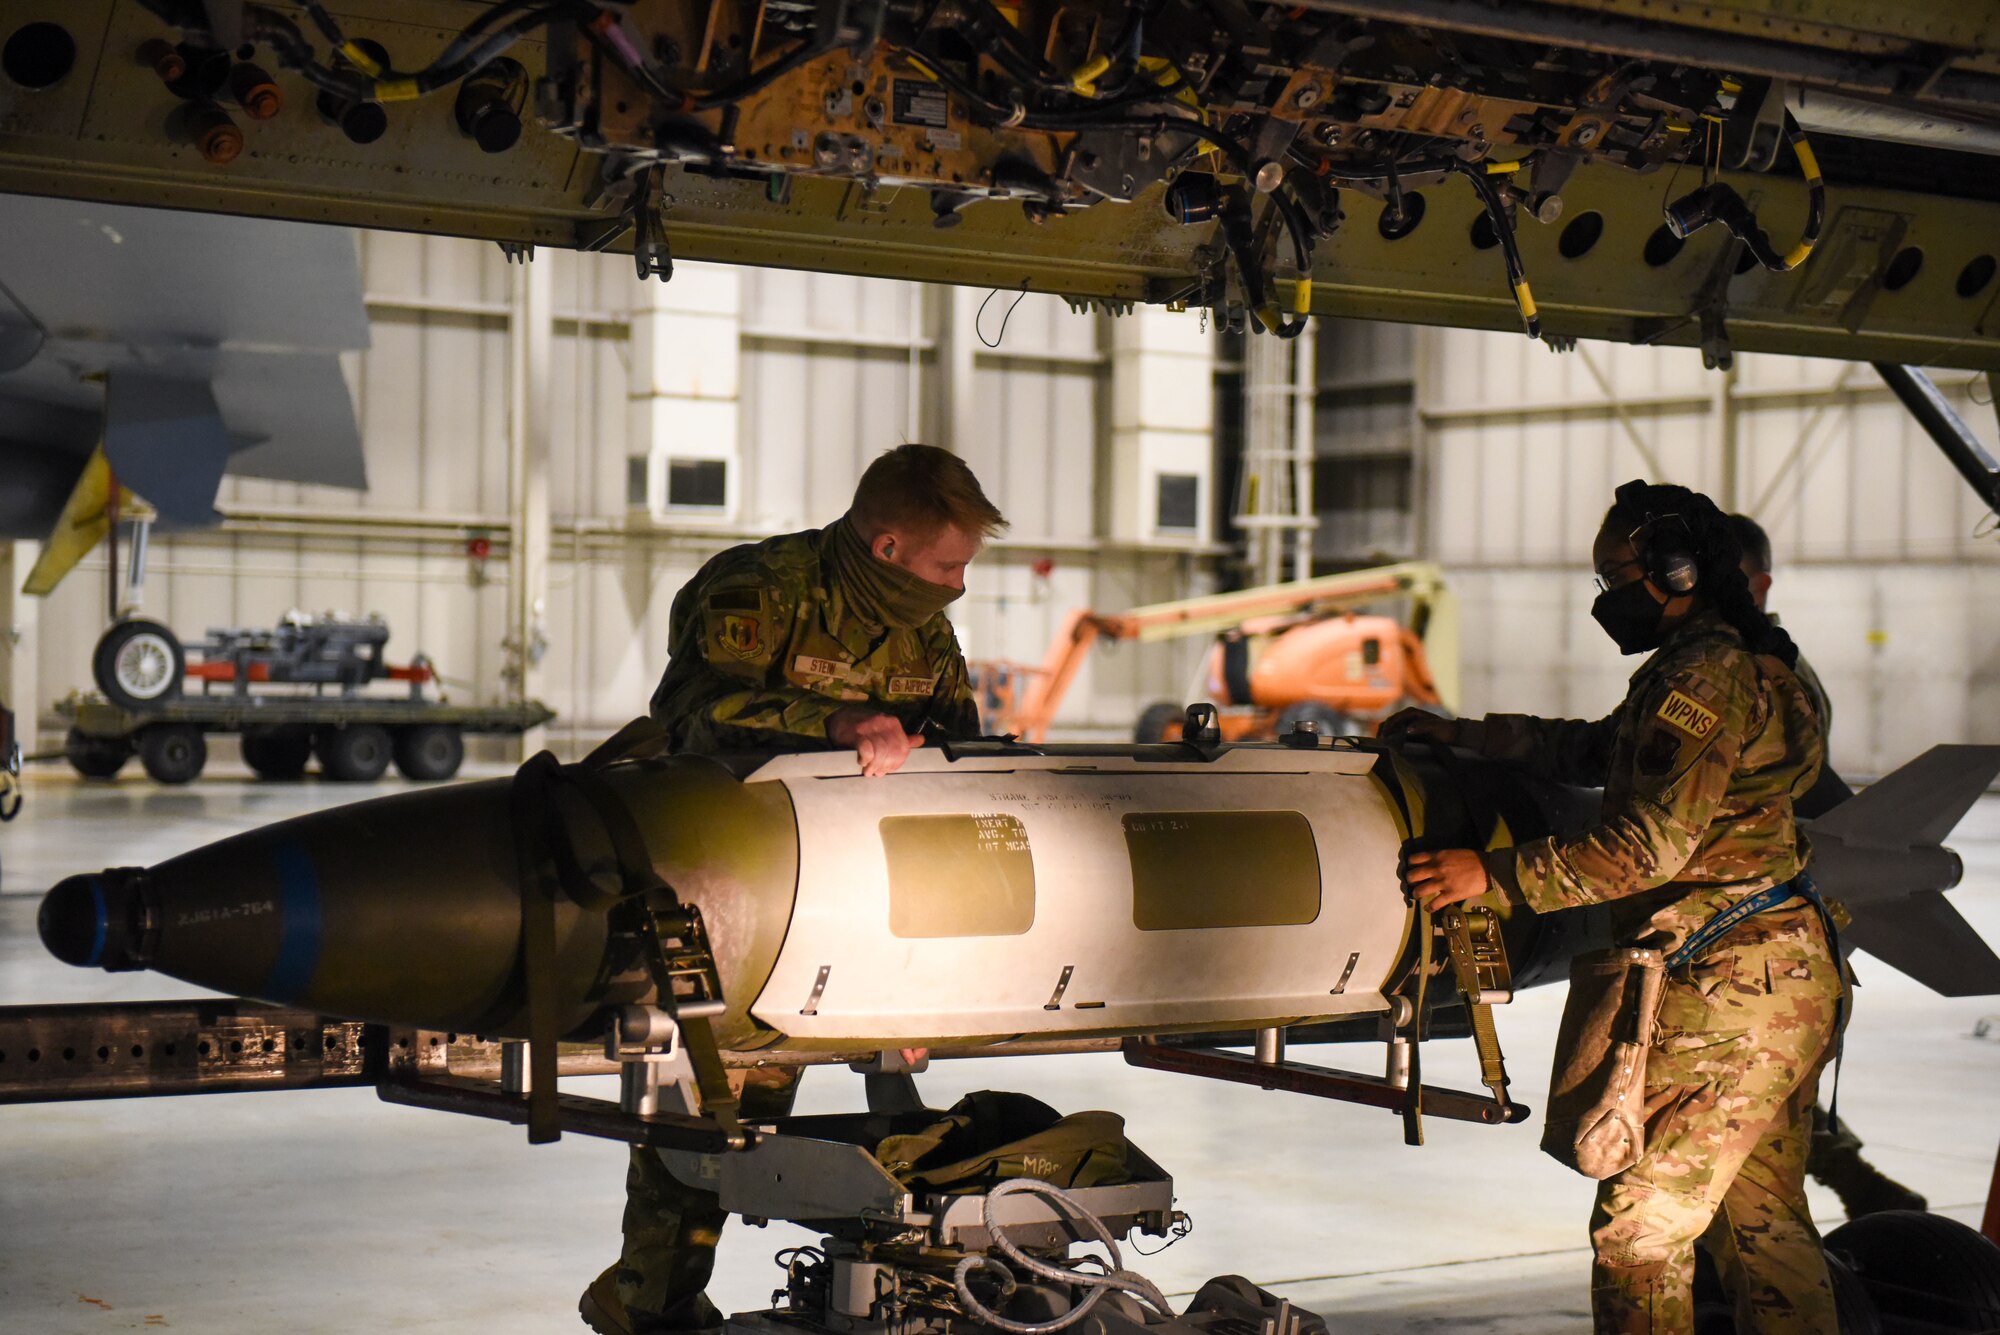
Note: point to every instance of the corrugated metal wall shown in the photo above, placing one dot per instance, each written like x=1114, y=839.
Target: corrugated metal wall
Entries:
x=1880, y=576
x=833, y=370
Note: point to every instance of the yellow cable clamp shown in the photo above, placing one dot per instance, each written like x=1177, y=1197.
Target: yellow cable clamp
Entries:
x=360, y=59
x=1524, y=299
x=1808, y=161
x=1504, y=168
x=398, y=90
x=1084, y=80
x=1302, y=297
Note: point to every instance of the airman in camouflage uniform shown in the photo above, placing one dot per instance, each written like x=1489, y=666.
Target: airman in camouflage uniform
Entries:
x=1699, y=765
x=1834, y=1157
x=766, y=648
x=821, y=640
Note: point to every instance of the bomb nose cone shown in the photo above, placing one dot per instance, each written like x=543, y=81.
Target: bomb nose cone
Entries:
x=93, y=921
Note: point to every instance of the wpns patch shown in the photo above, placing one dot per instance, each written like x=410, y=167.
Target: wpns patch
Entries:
x=1697, y=721
x=742, y=636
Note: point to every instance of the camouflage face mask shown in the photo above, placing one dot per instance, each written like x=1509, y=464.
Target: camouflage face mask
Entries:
x=881, y=591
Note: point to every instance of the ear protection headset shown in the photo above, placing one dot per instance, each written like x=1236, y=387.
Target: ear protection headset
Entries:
x=1664, y=542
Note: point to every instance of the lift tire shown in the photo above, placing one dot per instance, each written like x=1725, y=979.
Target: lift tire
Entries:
x=172, y=752
x=357, y=753
x=429, y=751
x=138, y=663
x=96, y=757
x=1715, y=1314
x=277, y=752
x=1155, y=720
x=1923, y=1268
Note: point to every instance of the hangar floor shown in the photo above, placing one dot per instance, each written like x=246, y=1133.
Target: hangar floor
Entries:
x=328, y=1211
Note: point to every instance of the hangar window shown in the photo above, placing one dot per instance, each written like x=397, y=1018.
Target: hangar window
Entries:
x=958, y=875
x=638, y=478
x=1197, y=869
x=698, y=482
x=1177, y=503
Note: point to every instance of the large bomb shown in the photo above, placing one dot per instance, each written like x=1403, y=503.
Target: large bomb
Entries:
x=977, y=897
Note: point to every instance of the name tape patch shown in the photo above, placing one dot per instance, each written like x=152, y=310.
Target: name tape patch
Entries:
x=1691, y=718
x=912, y=685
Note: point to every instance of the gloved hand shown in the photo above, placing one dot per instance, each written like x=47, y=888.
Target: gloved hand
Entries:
x=1419, y=724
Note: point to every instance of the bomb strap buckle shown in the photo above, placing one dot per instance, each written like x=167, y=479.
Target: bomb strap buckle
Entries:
x=577, y=844
x=1479, y=965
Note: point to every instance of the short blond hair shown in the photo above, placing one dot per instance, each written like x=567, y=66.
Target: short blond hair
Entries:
x=920, y=489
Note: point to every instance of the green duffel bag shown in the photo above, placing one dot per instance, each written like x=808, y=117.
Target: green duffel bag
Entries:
x=991, y=1136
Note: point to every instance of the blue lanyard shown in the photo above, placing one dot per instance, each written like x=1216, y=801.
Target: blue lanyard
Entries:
x=1769, y=898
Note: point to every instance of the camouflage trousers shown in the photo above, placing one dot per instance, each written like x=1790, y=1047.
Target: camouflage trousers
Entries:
x=671, y=1229
x=1730, y=1083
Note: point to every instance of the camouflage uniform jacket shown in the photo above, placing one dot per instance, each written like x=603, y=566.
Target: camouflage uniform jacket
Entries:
x=763, y=650
x=1699, y=766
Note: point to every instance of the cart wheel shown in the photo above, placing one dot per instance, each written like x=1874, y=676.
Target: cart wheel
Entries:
x=277, y=752
x=429, y=751
x=1155, y=720
x=1923, y=1268
x=358, y=753
x=138, y=663
x=96, y=757
x=172, y=752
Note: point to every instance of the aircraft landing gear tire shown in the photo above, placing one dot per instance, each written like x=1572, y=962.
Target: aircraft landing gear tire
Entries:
x=1923, y=1270
x=429, y=751
x=96, y=757
x=138, y=663
x=1155, y=721
x=357, y=753
x=172, y=752
x=277, y=752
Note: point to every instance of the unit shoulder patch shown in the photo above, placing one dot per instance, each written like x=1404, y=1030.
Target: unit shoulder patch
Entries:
x=740, y=635
x=1696, y=720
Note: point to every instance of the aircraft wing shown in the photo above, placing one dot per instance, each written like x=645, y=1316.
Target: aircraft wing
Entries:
x=1450, y=162
x=186, y=347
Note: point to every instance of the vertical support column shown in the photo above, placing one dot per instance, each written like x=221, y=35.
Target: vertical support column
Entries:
x=1162, y=427
x=1725, y=430
x=684, y=395
x=530, y=348
x=1269, y=507
x=19, y=648
x=958, y=347
x=1305, y=446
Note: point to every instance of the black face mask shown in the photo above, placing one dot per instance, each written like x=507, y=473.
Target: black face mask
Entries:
x=1631, y=616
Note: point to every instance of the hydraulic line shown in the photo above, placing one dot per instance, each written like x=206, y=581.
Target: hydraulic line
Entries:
x=1117, y=1279
x=1503, y=228
x=1714, y=202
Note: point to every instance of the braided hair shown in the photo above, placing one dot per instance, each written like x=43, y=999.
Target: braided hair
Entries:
x=1717, y=551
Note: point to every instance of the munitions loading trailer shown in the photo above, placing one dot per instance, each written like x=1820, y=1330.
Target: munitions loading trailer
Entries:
x=142, y=669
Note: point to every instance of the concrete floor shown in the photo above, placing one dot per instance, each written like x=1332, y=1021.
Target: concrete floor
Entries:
x=329, y=1211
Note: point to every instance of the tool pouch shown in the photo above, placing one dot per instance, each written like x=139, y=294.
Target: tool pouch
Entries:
x=1596, y=1119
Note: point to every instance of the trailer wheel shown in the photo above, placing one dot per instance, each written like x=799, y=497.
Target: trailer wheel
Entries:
x=172, y=752
x=96, y=757
x=357, y=753
x=277, y=752
x=1924, y=1268
x=1155, y=720
x=429, y=751
x=138, y=663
